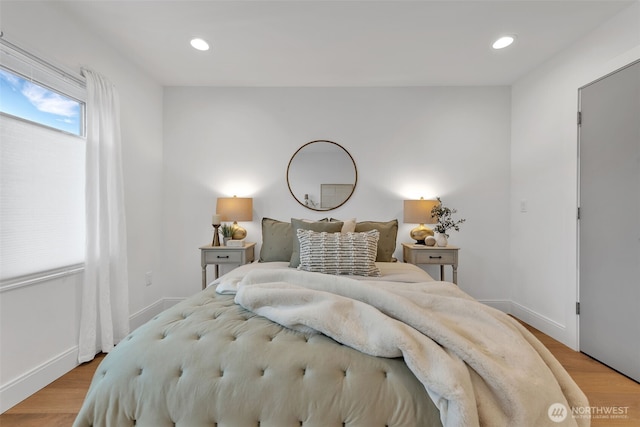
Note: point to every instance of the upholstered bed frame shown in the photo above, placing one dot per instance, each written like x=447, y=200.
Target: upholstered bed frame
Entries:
x=209, y=362
x=303, y=338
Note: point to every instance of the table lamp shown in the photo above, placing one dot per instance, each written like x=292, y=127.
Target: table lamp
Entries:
x=419, y=212
x=235, y=209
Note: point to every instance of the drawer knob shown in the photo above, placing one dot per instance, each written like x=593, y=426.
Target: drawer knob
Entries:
x=435, y=257
x=219, y=256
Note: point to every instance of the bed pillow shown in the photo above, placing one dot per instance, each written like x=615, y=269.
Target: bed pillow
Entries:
x=300, y=224
x=339, y=253
x=348, y=226
x=277, y=241
x=388, y=236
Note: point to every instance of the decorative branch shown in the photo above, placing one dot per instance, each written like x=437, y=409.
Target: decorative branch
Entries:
x=445, y=218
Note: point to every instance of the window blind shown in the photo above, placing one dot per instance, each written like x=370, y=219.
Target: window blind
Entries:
x=41, y=198
x=42, y=180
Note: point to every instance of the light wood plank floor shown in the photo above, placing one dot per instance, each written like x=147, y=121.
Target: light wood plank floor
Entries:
x=58, y=403
x=604, y=387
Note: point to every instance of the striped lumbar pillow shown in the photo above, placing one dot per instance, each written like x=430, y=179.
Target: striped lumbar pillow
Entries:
x=339, y=253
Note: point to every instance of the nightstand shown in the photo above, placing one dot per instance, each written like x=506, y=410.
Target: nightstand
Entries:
x=421, y=254
x=224, y=255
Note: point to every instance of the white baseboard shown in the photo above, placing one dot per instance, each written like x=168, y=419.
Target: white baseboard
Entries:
x=170, y=302
x=502, y=305
x=542, y=323
x=30, y=382
x=141, y=317
x=25, y=385
x=533, y=318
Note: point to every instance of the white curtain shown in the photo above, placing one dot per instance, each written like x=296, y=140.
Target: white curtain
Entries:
x=105, y=293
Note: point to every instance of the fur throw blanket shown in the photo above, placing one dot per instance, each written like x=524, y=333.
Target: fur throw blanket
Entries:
x=478, y=365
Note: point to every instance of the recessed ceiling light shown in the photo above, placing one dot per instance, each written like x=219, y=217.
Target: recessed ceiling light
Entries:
x=503, y=42
x=199, y=44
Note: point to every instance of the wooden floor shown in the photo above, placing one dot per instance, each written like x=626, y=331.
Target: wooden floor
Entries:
x=605, y=388
x=57, y=404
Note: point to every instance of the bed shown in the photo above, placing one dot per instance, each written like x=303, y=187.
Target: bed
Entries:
x=338, y=335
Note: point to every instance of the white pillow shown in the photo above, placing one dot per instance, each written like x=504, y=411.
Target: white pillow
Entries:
x=339, y=253
x=348, y=225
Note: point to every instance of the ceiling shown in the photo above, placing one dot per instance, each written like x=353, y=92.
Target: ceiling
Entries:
x=340, y=43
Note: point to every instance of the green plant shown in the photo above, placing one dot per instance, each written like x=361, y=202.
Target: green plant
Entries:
x=445, y=218
x=227, y=230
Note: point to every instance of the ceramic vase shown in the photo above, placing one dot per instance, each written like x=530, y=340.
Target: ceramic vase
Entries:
x=441, y=240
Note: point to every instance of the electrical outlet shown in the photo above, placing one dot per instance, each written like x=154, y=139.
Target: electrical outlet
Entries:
x=523, y=206
x=148, y=278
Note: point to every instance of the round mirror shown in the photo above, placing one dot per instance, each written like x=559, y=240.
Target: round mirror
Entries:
x=321, y=175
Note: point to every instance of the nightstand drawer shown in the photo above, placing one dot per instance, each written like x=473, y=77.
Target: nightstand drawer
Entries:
x=236, y=255
x=223, y=257
x=435, y=257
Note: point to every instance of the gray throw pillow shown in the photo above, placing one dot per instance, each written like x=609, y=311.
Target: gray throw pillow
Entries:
x=300, y=224
x=348, y=253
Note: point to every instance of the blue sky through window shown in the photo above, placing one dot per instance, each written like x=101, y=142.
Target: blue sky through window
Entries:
x=22, y=98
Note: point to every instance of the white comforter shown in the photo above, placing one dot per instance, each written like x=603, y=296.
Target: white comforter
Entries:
x=478, y=365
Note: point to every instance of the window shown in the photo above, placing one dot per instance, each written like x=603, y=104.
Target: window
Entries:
x=42, y=149
x=28, y=100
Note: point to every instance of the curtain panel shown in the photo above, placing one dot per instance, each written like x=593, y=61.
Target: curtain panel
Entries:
x=104, y=317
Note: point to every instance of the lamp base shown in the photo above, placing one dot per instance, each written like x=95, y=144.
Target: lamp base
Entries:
x=239, y=233
x=420, y=233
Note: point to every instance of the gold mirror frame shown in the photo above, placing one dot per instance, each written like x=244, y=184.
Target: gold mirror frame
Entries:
x=307, y=161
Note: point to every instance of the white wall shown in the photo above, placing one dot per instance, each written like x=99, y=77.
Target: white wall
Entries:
x=544, y=166
x=406, y=142
x=39, y=323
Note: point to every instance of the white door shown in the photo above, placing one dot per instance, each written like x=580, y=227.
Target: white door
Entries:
x=610, y=220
